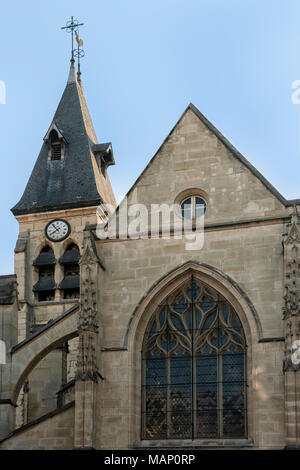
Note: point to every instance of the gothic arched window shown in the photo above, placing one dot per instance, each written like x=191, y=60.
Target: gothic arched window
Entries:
x=194, y=366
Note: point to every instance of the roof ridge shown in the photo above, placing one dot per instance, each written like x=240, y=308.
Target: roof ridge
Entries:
x=72, y=74
x=85, y=114
x=236, y=153
x=230, y=147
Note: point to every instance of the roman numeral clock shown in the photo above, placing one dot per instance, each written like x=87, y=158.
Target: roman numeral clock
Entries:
x=57, y=230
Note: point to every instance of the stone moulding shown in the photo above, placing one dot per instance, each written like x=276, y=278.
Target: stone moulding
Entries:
x=193, y=444
x=196, y=265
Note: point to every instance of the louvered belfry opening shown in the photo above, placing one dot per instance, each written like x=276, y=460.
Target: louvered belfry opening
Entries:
x=194, y=368
x=45, y=263
x=55, y=145
x=70, y=285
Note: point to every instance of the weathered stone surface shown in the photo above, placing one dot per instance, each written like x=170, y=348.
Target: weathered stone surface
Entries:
x=56, y=432
x=123, y=281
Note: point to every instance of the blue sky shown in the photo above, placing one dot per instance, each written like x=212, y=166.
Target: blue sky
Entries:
x=145, y=61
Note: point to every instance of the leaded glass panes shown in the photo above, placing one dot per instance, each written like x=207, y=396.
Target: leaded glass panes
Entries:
x=194, y=367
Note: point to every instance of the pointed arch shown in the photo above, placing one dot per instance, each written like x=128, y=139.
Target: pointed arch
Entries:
x=63, y=246
x=42, y=247
x=53, y=136
x=45, y=263
x=56, y=142
x=137, y=326
x=223, y=283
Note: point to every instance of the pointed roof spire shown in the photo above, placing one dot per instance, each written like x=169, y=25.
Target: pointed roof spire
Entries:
x=72, y=73
x=71, y=168
x=75, y=178
x=79, y=74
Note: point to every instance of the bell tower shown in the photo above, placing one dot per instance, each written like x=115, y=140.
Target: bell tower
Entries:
x=68, y=182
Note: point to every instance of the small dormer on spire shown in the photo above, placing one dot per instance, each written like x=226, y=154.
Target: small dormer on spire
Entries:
x=55, y=142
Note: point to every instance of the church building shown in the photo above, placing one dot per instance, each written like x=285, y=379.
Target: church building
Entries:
x=142, y=341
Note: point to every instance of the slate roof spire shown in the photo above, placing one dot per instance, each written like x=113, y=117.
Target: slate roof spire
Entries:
x=79, y=177
x=72, y=73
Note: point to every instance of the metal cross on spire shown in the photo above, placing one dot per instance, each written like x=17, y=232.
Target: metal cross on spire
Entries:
x=71, y=27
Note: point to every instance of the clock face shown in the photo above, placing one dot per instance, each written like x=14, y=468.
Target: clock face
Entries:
x=57, y=230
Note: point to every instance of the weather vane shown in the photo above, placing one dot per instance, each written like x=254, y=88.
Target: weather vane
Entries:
x=73, y=27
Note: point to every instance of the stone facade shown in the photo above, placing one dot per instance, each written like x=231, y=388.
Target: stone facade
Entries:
x=250, y=256
x=54, y=432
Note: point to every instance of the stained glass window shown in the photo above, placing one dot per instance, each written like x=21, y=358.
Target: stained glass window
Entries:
x=194, y=354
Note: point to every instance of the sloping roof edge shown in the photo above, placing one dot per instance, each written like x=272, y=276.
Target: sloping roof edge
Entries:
x=230, y=147
x=237, y=154
x=56, y=207
x=72, y=181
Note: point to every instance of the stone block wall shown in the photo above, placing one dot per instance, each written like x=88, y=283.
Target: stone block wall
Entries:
x=55, y=432
x=244, y=224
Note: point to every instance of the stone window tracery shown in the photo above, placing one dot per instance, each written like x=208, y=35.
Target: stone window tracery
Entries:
x=194, y=362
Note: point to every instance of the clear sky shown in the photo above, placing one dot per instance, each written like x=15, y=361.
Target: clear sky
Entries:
x=144, y=62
